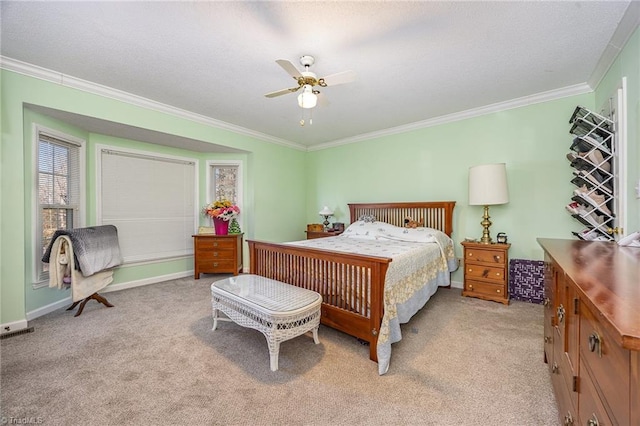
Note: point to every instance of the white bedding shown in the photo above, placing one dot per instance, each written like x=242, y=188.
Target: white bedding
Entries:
x=422, y=261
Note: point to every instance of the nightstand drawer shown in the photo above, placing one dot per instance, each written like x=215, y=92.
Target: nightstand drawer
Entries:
x=484, y=288
x=484, y=255
x=493, y=273
x=216, y=243
x=219, y=254
x=213, y=266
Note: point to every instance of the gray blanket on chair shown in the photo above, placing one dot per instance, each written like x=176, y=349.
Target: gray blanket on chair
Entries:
x=95, y=248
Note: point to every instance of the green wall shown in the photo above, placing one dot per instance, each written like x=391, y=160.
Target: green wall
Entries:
x=433, y=163
x=274, y=178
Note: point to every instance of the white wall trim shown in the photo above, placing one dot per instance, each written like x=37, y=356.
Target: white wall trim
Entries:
x=551, y=95
x=47, y=309
x=147, y=281
x=17, y=325
x=9, y=327
x=457, y=284
x=65, y=80
x=27, y=69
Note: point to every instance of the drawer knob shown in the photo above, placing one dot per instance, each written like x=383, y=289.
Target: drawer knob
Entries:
x=470, y=254
x=215, y=263
x=595, y=343
x=498, y=273
x=498, y=291
x=547, y=301
x=215, y=244
x=560, y=313
x=497, y=257
x=470, y=286
x=593, y=421
x=470, y=270
x=568, y=419
x=547, y=339
x=554, y=368
x=215, y=254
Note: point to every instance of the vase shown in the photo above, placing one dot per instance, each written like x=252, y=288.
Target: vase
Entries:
x=221, y=226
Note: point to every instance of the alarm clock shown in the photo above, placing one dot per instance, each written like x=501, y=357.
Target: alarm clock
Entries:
x=502, y=238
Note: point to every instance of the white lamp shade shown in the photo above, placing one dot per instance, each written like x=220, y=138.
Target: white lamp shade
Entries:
x=326, y=211
x=488, y=185
x=307, y=99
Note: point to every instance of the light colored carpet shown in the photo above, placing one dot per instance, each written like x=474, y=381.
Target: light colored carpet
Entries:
x=153, y=359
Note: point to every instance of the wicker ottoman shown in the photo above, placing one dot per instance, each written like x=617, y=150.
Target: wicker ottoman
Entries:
x=279, y=311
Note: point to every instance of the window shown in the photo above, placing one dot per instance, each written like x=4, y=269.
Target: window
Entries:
x=224, y=181
x=59, y=189
x=151, y=199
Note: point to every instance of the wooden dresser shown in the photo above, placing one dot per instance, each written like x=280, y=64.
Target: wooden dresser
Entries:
x=592, y=330
x=217, y=254
x=485, y=271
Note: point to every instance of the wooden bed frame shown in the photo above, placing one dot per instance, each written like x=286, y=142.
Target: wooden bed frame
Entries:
x=344, y=277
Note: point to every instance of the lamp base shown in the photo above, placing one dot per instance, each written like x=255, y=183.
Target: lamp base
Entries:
x=486, y=223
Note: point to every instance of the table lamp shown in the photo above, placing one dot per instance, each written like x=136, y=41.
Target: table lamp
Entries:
x=487, y=187
x=326, y=212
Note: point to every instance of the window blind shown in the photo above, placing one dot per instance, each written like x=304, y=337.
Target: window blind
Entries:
x=151, y=200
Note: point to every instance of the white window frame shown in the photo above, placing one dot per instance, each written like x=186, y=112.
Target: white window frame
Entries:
x=239, y=183
x=40, y=278
x=151, y=154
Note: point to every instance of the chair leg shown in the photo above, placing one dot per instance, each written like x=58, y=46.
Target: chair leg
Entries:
x=94, y=296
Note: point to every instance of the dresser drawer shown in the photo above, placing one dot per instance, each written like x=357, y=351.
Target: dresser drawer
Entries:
x=493, y=273
x=591, y=408
x=485, y=256
x=484, y=288
x=215, y=243
x=607, y=363
x=566, y=407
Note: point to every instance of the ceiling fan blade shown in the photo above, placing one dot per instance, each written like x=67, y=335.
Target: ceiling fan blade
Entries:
x=322, y=100
x=289, y=68
x=338, y=78
x=282, y=92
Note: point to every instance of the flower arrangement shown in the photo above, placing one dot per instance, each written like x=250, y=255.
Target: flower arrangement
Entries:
x=221, y=209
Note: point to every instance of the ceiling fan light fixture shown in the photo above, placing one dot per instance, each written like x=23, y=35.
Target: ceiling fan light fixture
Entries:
x=307, y=99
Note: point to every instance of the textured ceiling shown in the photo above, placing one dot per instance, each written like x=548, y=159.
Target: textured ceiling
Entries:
x=415, y=61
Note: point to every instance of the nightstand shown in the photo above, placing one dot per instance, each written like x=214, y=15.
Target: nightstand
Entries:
x=486, y=271
x=217, y=254
x=321, y=234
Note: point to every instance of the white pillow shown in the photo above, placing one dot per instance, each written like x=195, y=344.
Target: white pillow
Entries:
x=366, y=229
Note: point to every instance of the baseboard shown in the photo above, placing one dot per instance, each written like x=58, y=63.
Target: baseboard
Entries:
x=11, y=327
x=113, y=287
x=146, y=281
x=49, y=308
x=457, y=284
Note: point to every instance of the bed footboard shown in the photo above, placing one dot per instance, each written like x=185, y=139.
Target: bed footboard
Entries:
x=351, y=285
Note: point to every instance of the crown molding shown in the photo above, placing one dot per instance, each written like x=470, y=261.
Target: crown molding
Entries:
x=41, y=73
x=551, y=95
x=628, y=24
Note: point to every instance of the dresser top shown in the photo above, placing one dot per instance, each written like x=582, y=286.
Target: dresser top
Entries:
x=607, y=277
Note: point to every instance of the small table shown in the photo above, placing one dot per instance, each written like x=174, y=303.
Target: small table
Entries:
x=279, y=311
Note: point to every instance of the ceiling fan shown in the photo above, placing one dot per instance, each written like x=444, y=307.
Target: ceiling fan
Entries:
x=307, y=81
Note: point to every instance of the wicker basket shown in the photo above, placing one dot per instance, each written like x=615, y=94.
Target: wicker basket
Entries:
x=315, y=227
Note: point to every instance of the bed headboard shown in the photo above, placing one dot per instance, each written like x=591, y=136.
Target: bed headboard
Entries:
x=435, y=214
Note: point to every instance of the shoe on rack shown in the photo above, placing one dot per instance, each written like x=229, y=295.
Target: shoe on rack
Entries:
x=597, y=159
x=587, y=234
x=580, y=145
x=572, y=156
x=581, y=189
x=599, y=201
x=572, y=208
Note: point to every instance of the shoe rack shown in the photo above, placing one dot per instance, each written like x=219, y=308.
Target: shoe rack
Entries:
x=591, y=155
